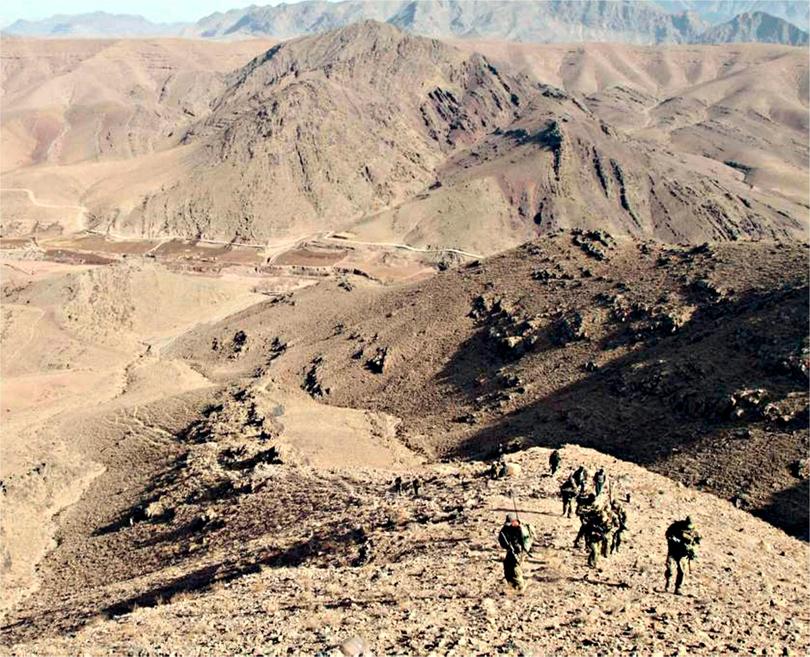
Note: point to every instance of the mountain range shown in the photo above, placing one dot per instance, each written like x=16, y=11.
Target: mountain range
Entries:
x=719, y=11
x=627, y=21
x=403, y=138
x=97, y=23
x=755, y=27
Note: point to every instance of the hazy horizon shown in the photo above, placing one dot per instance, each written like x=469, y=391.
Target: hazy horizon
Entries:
x=156, y=11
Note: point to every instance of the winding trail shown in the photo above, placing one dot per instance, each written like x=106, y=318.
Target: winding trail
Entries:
x=280, y=248
x=277, y=248
x=407, y=247
x=80, y=214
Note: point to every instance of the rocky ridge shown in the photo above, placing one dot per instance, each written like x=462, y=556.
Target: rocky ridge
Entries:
x=367, y=576
x=551, y=343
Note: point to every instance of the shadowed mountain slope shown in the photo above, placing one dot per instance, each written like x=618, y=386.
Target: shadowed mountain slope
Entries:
x=692, y=362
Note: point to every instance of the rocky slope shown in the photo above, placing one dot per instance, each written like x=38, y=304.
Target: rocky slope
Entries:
x=209, y=460
x=740, y=108
x=325, y=129
x=333, y=562
x=692, y=362
x=756, y=27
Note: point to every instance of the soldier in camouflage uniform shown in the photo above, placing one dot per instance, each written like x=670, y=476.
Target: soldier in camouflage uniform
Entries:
x=682, y=542
x=599, y=480
x=619, y=525
x=581, y=477
x=596, y=530
x=513, y=539
x=554, y=461
x=585, y=505
x=568, y=491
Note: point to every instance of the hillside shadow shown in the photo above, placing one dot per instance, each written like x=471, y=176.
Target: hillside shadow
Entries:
x=631, y=410
x=788, y=509
x=152, y=493
x=331, y=546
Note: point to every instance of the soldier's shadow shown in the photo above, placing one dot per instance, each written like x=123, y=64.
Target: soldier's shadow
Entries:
x=530, y=512
x=600, y=582
x=551, y=579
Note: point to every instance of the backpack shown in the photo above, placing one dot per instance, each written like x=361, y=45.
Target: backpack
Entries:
x=527, y=532
x=691, y=539
x=683, y=541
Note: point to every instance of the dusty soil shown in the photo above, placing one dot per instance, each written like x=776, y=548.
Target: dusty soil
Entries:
x=343, y=557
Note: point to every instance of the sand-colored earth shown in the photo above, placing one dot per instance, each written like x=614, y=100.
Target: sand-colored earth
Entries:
x=225, y=330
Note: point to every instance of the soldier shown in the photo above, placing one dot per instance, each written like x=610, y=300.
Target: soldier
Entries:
x=581, y=477
x=514, y=541
x=596, y=529
x=619, y=525
x=568, y=491
x=415, y=483
x=554, y=461
x=498, y=468
x=682, y=542
x=585, y=505
x=599, y=479
x=366, y=550
x=398, y=485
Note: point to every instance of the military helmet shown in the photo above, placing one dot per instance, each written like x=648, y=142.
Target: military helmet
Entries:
x=511, y=517
x=688, y=521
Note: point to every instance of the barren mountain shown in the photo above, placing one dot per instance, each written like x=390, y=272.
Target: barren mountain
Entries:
x=274, y=147
x=744, y=107
x=549, y=21
x=552, y=21
x=95, y=24
x=69, y=101
x=756, y=27
x=322, y=130
x=720, y=11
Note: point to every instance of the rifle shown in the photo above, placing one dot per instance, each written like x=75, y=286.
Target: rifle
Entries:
x=514, y=504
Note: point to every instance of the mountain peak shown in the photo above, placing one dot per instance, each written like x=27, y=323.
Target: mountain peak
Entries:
x=366, y=47
x=756, y=26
